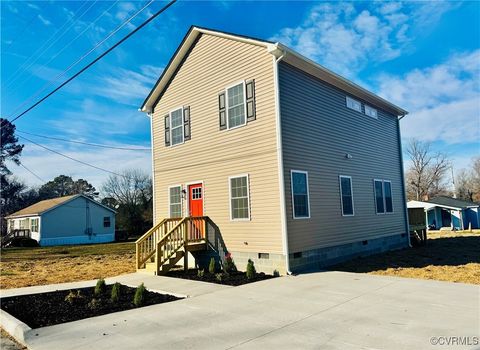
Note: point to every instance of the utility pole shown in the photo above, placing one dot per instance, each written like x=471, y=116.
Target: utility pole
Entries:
x=453, y=182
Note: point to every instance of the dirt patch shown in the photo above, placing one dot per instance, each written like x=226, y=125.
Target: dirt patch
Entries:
x=7, y=342
x=23, y=267
x=448, y=256
x=47, y=309
x=230, y=279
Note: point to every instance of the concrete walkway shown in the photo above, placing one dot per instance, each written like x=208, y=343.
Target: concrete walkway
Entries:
x=332, y=310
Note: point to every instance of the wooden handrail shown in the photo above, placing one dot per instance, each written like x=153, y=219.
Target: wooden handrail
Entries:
x=168, y=237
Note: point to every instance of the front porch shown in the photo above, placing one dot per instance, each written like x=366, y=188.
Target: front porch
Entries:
x=170, y=241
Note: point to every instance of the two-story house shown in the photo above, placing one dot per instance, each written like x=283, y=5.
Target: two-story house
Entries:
x=294, y=166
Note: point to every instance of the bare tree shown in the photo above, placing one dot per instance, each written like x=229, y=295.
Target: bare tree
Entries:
x=464, y=185
x=468, y=182
x=426, y=175
x=132, y=192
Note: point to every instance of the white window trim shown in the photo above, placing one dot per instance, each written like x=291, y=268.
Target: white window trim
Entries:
x=38, y=224
x=181, y=201
x=371, y=108
x=308, y=194
x=375, y=196
x=230, y=196
x=347, y=98
x=244, y=104
x=341, y=194
x=385, y=197
x=187, y=190
x=171, y=129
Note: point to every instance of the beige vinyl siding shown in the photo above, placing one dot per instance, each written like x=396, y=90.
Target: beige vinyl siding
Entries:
x=212, y=155
x=318, y=130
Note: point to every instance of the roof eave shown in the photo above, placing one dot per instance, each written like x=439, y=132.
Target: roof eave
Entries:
x=309, y=66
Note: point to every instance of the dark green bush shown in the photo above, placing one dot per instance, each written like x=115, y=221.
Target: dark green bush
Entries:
x=100, y=288
x=219, y=276
x=211, y=266
x=229, y=265
x=140, y=295
x=276, y=273
x=201, y=273
x=116, y=292
x=250, y=269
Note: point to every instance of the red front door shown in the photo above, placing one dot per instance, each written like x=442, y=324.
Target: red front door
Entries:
x=195, y=200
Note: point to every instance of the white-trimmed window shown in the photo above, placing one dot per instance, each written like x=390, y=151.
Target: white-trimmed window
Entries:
x=24, y=224
x=239, y=197
x=176, y=126
x=300, y=194
x=236, y=106
x=346, y=195
x=354, y=104
x=34, y=225
x=371, y=112
x=383, y=196
x=175, y=201
x=387, y=190
x=12, y=225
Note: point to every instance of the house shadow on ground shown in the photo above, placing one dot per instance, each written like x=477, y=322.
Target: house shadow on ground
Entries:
x=446, y=251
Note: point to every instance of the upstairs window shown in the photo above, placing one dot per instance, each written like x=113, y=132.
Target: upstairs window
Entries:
x=354, y=104
x=346, y=195
x=106, y=221
x=236, y=111
x=239, y=198
x=383, y=196
x=236, y=105
x=177, y=126
x=175, y=201
x=371, y=112
x=300, y=196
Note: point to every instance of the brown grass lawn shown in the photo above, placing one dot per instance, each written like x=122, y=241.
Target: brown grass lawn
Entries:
x=448, y=256
x=23, y=267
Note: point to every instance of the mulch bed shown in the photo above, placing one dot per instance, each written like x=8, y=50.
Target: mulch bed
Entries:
x=47, y=309
x=231, y=279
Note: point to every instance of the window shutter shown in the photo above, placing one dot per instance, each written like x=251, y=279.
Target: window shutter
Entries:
x=222, y=113
x=186, y=123
x=250, y=99
x=167, y=130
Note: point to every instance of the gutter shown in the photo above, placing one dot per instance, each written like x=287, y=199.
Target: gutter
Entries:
x=277, y=55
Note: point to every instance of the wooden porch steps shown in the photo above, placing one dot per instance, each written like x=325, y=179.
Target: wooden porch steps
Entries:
x=162, y=247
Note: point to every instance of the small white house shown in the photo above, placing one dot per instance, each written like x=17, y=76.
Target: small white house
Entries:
x=74, y=219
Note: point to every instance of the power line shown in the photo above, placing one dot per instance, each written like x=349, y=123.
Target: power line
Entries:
x=96, y=59
x=40, y=51
x=85, y=143
x=71, y=158
x=49, y=83
x=44, y=65
x=31, y=172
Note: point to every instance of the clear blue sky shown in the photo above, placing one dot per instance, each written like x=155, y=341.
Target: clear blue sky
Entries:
x=423, y=56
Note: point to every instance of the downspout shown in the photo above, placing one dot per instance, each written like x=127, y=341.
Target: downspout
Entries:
x=150, y=115
x=407, y=225
x=278, y=55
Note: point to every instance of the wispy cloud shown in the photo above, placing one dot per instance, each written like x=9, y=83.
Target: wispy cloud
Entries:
x=443, y=99
x=33, y=6
x=44, y=20
x=346, y=39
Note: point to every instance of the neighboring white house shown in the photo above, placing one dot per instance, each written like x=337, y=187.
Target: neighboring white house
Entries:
x=74, y=219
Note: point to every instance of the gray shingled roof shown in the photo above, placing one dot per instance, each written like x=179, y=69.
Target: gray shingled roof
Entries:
x=452, y=202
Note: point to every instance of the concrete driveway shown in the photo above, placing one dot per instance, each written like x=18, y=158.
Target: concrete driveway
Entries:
x=328, y=310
